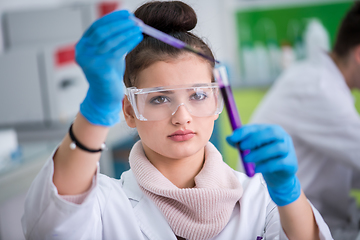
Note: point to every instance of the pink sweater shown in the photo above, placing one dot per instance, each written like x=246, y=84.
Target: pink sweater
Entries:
x=193, y=213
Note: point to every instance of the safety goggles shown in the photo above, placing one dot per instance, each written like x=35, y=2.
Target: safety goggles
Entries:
x=154, y=104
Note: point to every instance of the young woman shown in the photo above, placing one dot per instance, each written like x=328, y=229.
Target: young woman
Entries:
x=178, y=186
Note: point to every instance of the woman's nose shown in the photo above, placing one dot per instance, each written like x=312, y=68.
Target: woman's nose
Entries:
x=181, y=115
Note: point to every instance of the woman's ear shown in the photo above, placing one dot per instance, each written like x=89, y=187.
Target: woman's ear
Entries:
x=128, y=113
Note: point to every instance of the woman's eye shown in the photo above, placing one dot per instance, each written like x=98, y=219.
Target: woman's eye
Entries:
x=199, y=96
x=159, y=100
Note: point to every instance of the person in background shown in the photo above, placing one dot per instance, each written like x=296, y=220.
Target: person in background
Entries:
x=178, y=186
x=312, y=101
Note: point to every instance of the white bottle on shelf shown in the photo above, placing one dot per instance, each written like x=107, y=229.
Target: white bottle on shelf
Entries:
x=316, y=39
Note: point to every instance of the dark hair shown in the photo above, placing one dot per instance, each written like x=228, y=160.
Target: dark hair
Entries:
x=172, y=17
x=349, y=33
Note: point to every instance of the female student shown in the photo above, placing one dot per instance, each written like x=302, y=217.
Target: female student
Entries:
x=178, y=186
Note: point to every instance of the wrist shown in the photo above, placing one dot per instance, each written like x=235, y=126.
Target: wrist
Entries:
x=90, y=135
x=287, y=193
x=76, y=143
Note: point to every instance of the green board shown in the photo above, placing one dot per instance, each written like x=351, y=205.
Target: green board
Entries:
x=290, y=21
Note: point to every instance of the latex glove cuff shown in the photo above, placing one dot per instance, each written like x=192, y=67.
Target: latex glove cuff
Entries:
x=100, y=116
x=286, y=194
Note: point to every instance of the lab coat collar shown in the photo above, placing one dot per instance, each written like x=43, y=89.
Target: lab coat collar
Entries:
x=131, y=187
x=151, y=221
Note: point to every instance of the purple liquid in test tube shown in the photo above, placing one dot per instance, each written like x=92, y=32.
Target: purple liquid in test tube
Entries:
x=234, y=117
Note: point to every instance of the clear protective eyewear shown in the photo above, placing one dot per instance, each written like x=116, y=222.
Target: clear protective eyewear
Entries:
x=158, y=103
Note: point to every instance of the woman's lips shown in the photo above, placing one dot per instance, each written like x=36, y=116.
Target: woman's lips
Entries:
x=181, y=135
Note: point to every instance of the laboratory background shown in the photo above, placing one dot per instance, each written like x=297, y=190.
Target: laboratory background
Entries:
x=41, y=86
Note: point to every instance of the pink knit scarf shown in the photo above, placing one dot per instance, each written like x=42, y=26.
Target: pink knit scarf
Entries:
x=197, y=213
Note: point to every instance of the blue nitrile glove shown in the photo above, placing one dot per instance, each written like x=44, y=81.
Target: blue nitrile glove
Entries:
x=272, y=151
x=100, y=53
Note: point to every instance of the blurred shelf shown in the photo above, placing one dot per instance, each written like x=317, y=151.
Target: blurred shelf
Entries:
x=17, y=174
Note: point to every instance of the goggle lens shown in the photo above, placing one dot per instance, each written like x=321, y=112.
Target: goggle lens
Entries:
x=154, y=104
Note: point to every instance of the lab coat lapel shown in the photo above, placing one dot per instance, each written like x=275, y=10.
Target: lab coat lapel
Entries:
x=151, y=221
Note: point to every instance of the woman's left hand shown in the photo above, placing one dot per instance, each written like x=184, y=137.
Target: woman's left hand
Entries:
x=101, y=55
x=272, y=151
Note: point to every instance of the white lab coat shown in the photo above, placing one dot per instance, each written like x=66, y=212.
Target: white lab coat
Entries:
x=118, y=209
x=312, y=102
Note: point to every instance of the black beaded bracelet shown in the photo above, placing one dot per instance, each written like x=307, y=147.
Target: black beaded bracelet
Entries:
x=75, y=143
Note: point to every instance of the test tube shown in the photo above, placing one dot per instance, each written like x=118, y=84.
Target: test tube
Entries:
x=221, y=77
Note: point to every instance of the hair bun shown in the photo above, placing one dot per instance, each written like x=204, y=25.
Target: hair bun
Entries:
x=169, y=16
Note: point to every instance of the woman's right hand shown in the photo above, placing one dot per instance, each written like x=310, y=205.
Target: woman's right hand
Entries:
x=100, y=53
x=272, y=151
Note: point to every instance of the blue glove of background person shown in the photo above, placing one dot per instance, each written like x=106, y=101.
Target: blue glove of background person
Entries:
x=100, y=53
x=272, y=151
